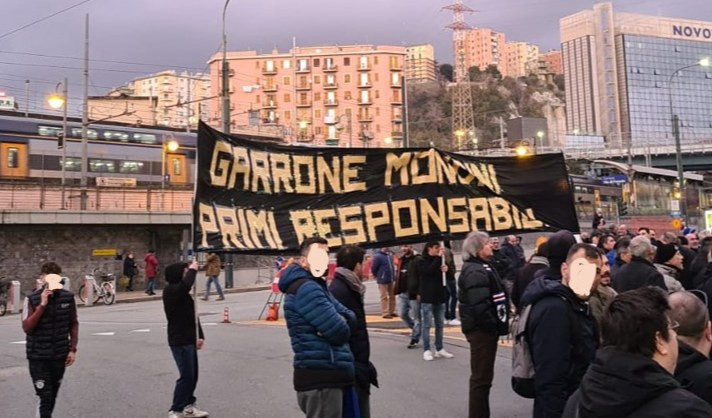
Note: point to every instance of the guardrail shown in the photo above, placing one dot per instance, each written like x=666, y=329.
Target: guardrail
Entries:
x=53, y=197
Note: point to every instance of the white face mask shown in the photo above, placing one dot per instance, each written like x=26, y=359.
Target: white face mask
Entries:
x=318, y=259
x=582, y=275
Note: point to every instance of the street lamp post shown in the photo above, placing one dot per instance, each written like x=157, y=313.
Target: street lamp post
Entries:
x=675, y=121
x=56, y=101
x=226, y=124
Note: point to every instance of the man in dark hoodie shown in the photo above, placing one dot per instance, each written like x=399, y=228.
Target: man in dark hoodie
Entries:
x=319, y=329
x=180, y=313
x=632, y=375
x=640, y=271
x=561, y=331
x=694, y=368
x=347, y=288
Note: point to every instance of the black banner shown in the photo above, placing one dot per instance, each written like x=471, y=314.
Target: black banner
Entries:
x=259, y=197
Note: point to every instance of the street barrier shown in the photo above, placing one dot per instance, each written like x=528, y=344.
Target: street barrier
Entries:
x=226, y=315
x=14, y=305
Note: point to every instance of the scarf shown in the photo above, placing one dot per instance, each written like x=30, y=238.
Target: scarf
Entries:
x=353, y=281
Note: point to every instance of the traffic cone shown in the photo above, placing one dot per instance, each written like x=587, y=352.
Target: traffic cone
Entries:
x=226, y=315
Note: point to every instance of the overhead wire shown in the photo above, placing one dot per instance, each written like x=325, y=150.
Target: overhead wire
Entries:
x=66, y=9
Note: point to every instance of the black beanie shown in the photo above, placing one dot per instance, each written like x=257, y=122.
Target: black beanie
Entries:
x=174, y=272
x=665, y=253
x=558, y=247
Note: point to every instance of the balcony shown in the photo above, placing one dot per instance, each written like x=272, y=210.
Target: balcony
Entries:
x=364, y=67
x=331, y=68
x=303, y=86
x=396, y=67
x=269, y=71
x=331, y=86
x=272, y=121
x=269, y=104
x=331, y=102
x=269, y=87
x=395, y=85
x=332, y=142
x=365, y=117
x=396, y=101
x=304, y=103
x=303, y=70
x=365, y=85
x=366, y=102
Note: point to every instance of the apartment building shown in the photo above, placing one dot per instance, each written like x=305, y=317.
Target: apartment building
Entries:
x=522, y=59
x=420, y=63
x=313, y=92
x=167, y=98
x=485, y=47
x=551, y=62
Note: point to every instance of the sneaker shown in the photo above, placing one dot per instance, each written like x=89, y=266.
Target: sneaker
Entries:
x=174, y=414
x=191, y=411
x=413, y=344
x=447, y=322
x=221, y=298
x=428, y=355
x=444, y=354
x=455, y=322
x=203, y=298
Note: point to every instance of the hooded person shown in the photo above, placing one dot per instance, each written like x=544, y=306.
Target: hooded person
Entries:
x=179, y=307
x=669, y=262
x=526, y=274
x=632, y=374
x=557, y=247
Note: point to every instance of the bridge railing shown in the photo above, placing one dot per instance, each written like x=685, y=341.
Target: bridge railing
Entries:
x=21, y=196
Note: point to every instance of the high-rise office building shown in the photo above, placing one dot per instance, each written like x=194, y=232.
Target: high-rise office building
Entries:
x=627, y=74
x=310, y=93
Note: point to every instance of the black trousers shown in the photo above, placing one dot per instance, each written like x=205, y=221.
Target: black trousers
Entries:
x=483, y=349
x=46, y=377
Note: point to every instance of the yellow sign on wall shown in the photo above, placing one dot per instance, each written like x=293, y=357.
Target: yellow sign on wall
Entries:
x=103, y=252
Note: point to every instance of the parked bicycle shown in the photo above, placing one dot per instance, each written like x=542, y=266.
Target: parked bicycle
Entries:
x=104, y=291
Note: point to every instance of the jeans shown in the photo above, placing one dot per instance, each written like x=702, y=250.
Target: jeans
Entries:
x=388, y=299
x=433, y=311
x=186, y=357
x=216, y=280
x=130, y=285
x=46, y=377
x=321, y=403
x=151, y=286
x=483, y=349
x=451, y=304
x=409, y=312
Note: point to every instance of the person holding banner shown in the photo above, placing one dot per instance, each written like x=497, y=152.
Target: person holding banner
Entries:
x=432, y=295
x=320, y=328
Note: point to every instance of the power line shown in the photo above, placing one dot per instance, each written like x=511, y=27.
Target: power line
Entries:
x=43, y=19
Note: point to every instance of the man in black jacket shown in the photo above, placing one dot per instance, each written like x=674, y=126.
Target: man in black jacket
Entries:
x=432, y=294
x=484, y=316
x=49, y=318
x=347, y=288
x=407, y=290
x=632, y=375
x=694, y=368
x=180, y=313
x=500, y=261
x=640, y=271
x=561, y=333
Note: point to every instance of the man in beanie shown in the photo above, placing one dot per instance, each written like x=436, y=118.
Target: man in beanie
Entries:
x=640, y=272
x=668, y=261
x=180, y=313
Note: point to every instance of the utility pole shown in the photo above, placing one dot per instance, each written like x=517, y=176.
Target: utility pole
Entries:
x=501, y=133
x=404, y=116
x=85, y=121
x=226, y=126
x=27, y=98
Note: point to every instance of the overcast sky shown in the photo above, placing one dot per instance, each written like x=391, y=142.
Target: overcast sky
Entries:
x=173, y=33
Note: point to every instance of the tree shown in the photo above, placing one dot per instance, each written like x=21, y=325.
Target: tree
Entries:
x=474, y=72
x=447, y=71
x=494, y=72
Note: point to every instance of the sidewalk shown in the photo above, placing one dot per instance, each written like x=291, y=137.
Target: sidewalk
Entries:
x=141, y=296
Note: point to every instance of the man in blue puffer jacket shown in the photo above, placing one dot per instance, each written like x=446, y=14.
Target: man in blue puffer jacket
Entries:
x=319, y=328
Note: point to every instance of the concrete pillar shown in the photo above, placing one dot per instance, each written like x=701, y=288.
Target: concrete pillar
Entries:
x=89, y=290
x=13, y=302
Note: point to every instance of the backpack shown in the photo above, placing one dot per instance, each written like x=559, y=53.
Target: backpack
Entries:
x=522, y=364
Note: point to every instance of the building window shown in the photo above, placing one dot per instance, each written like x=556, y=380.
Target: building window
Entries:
x=317, y=79
x=347, y=61
x=286, y=64
x=375, y=60
x=13, y=157
x=347, y=95
x=375, y=77
x=317, y=130
x=287, y=98
x=347, y=78
x=177, y=166
x=316, y=62
x=257, y=98
x=348, y=111
x=288, y=114
x=317, y=96
x=286, y=80
x=71, y=164
x=102, y=166
x=317, y=114
x=131, y=167
x=376, y=95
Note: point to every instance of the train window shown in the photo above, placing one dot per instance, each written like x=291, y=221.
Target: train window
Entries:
x=176, y=166
x=145, y=138
x=131, y=167
x=91, y=133
x=121, y=136
x=72, y=164
x=13, y=157
x=102, y=166
x=49, y=130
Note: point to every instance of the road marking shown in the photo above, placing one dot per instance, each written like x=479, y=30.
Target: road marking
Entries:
x=104, y=334
x=207, y=324
x=141, y=330
x=18, y=342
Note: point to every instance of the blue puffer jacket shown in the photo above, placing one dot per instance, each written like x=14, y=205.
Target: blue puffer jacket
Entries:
x=319, y=328
x=382, y=267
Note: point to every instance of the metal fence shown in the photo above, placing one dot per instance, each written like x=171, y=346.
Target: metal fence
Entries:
x=21, y=196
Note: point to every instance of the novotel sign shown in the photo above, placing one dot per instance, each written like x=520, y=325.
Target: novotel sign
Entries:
x=692, y=31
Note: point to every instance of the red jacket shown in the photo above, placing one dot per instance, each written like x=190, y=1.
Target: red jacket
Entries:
x=151, y=264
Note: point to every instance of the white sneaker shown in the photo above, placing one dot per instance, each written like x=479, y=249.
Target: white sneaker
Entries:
x=444, y=354
x=455, y=322
x=191, y=411
x=447, y=322
x=174, y=414
x=428, y=355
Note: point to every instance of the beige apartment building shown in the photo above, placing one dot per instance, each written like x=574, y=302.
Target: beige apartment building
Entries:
x=420, y=63
x=312, y=93
x=168, y=98
x=522, y=59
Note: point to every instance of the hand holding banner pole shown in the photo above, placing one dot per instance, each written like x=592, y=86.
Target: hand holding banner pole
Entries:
x=442, y=262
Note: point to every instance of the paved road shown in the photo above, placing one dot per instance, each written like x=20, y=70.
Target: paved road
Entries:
x=124, y=368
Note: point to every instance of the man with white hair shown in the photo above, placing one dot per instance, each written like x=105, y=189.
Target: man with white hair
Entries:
x=640, y=272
